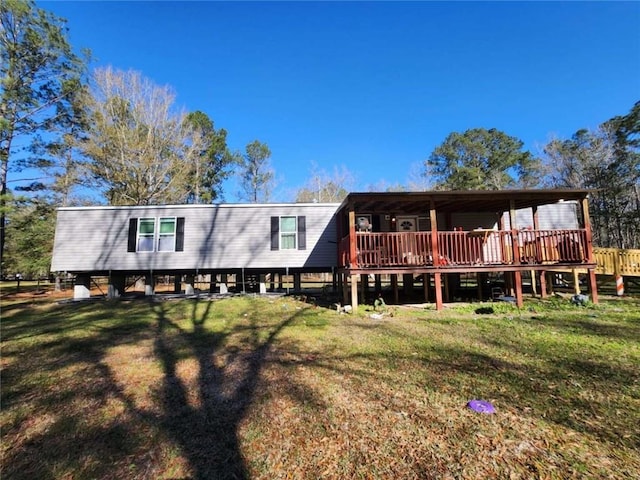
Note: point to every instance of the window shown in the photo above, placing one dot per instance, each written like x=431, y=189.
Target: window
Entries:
x=167, y=235
x=146, y=234
x=288, y=232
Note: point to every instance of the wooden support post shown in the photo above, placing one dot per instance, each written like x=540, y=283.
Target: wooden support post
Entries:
x=515, y=244
x=407, y=284
x=593, y=286
x=344, y=280
x=576, y=281
x=549, y=276
x=479, y=280
x=262, y=283
x=378, y=284
x=543, y=284
x=447, y=297
x=394, y=286
x=437, y=277
x=433, y=218
x=177, y=283
x=508, y=284
x=297, y=282
x=426, y=280
x=534, y=288
x=364, y=287
x=354, y=293
x=518, y=286
x=353, y=250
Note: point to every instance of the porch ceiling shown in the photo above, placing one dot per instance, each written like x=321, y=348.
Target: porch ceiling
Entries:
x=457, y=201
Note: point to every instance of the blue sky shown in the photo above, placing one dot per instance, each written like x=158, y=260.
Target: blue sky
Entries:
x=374, y=87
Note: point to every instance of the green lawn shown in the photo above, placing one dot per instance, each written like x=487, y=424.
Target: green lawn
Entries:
x=251, y=387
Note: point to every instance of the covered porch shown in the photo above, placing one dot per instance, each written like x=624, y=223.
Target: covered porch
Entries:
x=431, y=234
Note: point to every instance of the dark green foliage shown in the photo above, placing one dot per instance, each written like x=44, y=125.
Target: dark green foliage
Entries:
x=256, y=176
x=39, y=75
x=212, y=165
x=30, y=232
x=481, y=159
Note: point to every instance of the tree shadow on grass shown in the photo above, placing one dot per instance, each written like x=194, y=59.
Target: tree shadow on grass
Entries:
x=72, y=415
x=227, y=379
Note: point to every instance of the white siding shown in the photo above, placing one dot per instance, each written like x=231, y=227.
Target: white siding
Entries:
x=215, y=237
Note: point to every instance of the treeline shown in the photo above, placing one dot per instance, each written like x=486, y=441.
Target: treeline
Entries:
x=116, y=137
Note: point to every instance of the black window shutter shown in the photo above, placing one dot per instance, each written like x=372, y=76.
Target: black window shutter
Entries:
x=180, y=234
x=275, y=233
x=302, y=233
x=133, y=234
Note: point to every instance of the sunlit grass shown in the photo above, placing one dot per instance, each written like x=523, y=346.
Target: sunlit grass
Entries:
x=252, y=387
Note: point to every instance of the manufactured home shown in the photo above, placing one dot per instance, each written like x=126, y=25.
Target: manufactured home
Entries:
x=246, y=239
x=419, y=237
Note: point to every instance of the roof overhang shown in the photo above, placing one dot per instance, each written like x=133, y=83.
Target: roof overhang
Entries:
x=458, y=201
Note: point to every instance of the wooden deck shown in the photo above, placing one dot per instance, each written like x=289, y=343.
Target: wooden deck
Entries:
x=475, y=249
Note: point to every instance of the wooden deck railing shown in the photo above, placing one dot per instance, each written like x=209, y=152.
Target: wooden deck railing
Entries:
x=472, y=248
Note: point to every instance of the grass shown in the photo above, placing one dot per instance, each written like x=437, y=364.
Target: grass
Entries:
x=251, y=387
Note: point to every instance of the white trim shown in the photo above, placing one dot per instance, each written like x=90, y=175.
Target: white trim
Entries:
x=294, y=232
x=200, y=206
x=159, y=233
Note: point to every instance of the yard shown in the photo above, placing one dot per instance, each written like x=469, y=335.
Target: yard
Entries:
x=255, y=387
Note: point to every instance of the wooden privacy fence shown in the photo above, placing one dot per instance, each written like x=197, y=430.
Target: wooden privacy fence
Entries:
x=617, y=261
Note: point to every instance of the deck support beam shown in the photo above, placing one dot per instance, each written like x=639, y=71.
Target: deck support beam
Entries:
x=543, y=284
x=437, y=277
x=407, y=284
x=518, y=284
x=576, y=281
x=593, y=286
x=426, y=280
x=344, y=281
x=354, y=292
x=394, y=287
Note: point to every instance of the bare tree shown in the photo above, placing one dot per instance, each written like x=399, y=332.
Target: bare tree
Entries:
x=139, y=148
x=419, y=178
x=589, y=160
x=325, y=187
